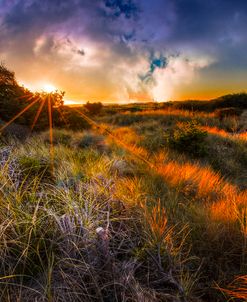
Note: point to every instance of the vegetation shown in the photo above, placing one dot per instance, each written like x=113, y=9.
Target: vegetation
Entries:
x=188, y=137
x=93, y=108
x=14, y=98
x=150, y=205
x=236, y=100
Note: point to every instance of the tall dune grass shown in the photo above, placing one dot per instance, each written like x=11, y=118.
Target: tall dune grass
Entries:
x=121, y=220
x=72, y=238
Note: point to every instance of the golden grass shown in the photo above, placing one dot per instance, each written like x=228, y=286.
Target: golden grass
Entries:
x=223, y=199
x=157, y=220
x=243, y=136
x=194, y=180
x=238, y=289
x=225, y=134
x=172, y=111
x=127, y=135
x=128, y=139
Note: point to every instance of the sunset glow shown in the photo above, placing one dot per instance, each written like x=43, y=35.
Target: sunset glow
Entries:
x=49, y=88
x=125, y=51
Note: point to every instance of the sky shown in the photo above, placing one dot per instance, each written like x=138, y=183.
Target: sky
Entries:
x=127, y=50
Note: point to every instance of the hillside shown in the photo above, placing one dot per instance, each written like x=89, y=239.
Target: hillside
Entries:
x=236, y=100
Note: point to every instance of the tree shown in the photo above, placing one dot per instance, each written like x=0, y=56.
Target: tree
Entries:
x=10, y=92
x=14, y=98
x=7, y=77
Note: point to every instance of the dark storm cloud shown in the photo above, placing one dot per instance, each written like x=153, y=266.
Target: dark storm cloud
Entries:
x=122, y=7
x=169, y=23
x=23, y=15
x=102, y=20
x=206, y=19
x=28, y=15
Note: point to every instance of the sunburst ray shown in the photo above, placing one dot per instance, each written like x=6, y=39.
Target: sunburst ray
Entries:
x=51, y=133
x=38, y=114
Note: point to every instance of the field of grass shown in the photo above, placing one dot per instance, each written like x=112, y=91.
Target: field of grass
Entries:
x=149, y=206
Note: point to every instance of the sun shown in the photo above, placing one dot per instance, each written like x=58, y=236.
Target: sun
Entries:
x=49, y=88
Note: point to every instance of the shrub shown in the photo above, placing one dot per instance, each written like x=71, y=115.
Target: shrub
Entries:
x=74, y=120
x=93, y=108
x=188, y=137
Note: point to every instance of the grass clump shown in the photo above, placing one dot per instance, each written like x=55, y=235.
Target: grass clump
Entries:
x=88, y=140
x=31, y=166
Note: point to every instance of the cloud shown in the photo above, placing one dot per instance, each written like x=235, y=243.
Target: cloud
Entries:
x=122, y=47
x=180, y=70
x=116, y=8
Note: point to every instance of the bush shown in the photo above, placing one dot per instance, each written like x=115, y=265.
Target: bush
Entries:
x=189, y=138
x=93, y=108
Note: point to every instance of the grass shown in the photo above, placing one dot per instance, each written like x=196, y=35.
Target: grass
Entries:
x=124, y=217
